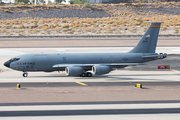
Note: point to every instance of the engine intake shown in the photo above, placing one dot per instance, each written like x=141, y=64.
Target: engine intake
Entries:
x=73, y=71
x=99, y=70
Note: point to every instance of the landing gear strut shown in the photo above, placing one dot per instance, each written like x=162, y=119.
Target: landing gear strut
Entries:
x=25, y=74
x=87, y=74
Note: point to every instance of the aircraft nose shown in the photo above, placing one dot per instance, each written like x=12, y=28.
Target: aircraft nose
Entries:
x=7, y=64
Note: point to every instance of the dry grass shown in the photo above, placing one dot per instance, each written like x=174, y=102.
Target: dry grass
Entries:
x=127, y=20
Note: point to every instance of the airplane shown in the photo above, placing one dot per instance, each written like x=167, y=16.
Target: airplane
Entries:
x=79, y=64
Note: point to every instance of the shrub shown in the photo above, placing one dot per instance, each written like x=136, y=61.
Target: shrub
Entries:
x=65, y=29
x=159, y=6
x=70, y=32
x=22, y=1
x=41, y=1
x=127, y=4
x=6, y=10
x=51, y=26
x=102, y=25
x=36, y=30
x=63, y=21
x=176, y=31
x=49, y=2
x=65, y=26
x=57, y=6
x=95, y=25
x=21, y=26
x=78, y=1
x=164, y=28
x=59, y=1
x=35, y=23
x=42, y=21
x=133, y=30
x=45, y=28
x=87, y=4
x=140, y=20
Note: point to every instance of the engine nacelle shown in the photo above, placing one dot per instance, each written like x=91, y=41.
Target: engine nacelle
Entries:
x=73, y=71
x=99, y=70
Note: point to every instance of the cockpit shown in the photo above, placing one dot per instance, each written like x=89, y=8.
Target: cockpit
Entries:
x=14, y=59
x=7, y=63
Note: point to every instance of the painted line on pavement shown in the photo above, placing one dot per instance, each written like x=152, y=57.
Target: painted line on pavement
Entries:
x=90, y=107
x=81, y=83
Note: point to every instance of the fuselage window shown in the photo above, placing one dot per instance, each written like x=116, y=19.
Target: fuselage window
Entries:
x=14, y=59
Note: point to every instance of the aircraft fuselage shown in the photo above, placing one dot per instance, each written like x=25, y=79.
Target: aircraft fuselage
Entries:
x=44, y=62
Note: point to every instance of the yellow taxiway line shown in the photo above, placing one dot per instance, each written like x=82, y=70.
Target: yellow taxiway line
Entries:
x=80, y=83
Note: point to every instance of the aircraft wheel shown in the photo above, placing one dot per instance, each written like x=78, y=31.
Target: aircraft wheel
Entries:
x=25, y=74
x=88, y=74
x=83, y=75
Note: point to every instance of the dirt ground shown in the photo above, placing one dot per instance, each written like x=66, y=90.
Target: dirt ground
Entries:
x=88, y=93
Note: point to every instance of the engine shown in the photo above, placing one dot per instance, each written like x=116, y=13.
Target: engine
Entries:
x=99, y=70
x=73, y=71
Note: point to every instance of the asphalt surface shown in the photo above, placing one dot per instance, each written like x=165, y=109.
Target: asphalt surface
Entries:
x=173, y=60
x=85, y=38
x=89, y=108
x=81, y=42
x=90, y=103
x=88, y=112
x=72, y=84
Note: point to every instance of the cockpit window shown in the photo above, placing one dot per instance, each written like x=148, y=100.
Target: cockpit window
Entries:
x=14, y=59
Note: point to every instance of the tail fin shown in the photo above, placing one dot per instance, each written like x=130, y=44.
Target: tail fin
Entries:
x=148, y=42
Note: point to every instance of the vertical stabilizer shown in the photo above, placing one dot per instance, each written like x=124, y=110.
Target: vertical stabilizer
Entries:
x=148, y=42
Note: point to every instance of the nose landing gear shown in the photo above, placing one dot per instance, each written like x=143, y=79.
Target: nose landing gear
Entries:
x=25, y=74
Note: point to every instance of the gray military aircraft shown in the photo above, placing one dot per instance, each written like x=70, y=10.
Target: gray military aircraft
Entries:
x=78, y=64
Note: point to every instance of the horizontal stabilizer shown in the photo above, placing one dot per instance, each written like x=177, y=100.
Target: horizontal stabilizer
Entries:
x=150, y=56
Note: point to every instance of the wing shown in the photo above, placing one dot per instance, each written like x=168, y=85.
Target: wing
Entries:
x=90, y=65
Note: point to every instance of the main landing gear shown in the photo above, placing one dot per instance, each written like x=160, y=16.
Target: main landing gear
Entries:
x=25, y=74
x=87, y=74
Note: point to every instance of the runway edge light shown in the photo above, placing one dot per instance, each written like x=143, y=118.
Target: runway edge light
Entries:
x=138, y=85
x=18, y=86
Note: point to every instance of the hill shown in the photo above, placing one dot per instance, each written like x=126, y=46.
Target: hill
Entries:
x=99, y=19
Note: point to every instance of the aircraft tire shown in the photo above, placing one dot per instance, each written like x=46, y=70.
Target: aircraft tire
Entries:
x=88, y=74
x=83, y=75
x=25, y=74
